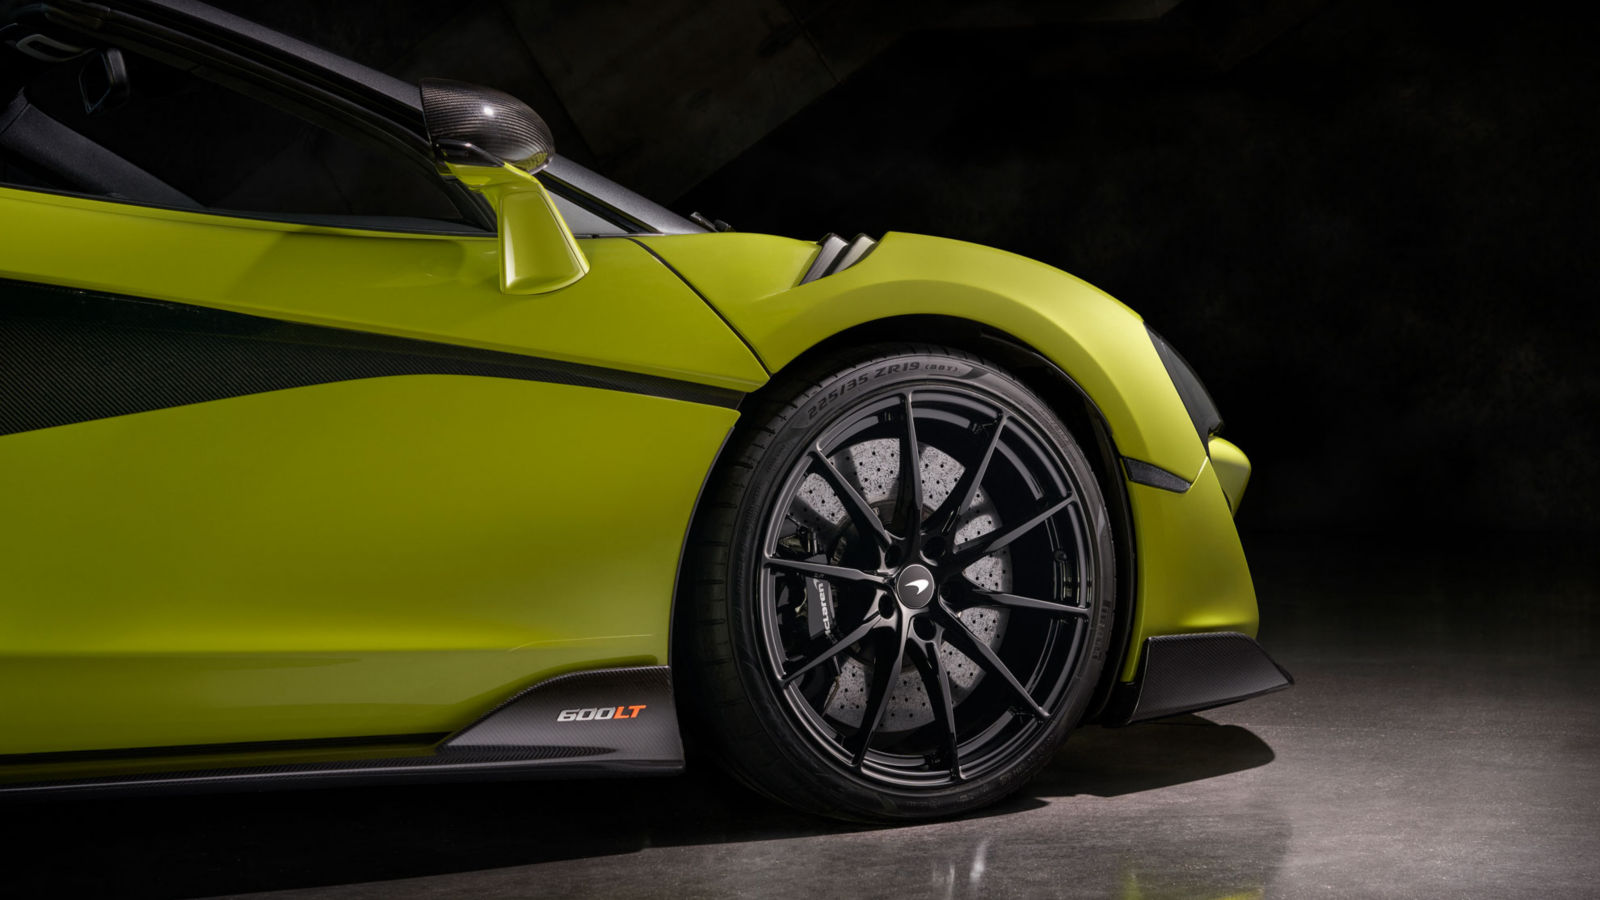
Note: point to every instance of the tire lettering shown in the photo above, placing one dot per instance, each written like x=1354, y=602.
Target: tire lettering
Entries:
x=839, y=391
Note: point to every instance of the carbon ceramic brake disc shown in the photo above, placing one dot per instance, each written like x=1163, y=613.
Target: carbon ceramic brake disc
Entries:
x=875, y=468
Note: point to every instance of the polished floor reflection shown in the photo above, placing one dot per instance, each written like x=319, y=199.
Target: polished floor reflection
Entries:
x=1440, y=743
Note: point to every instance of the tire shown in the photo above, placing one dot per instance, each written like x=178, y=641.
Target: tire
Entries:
x=859, y=656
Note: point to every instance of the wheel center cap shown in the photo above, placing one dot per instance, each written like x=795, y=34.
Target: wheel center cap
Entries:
x=914, y=587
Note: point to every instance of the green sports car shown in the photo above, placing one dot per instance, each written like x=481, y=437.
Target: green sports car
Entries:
x=348, y=434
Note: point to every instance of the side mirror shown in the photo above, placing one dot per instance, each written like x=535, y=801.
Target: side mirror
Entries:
x=103, y=82
x=494, y=143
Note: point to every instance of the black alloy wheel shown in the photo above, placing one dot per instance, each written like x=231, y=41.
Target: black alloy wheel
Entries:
x=882, y=640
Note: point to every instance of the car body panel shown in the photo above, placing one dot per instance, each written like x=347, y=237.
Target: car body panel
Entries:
x=630, y=313
x=1100, y=343
x=736, y=270
x=380, y=556
x=379, y=561
x=1233, y=469
x=1191, y=572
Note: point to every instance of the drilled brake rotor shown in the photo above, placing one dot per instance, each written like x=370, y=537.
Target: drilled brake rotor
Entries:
x=874, y=466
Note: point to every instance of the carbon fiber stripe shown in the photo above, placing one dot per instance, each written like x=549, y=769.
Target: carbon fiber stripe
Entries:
x=71, y=356
x=181, y=750
x=1154, y=476
x=539, y=762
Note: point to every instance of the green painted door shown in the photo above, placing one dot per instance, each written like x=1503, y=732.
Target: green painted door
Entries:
x=348, y=549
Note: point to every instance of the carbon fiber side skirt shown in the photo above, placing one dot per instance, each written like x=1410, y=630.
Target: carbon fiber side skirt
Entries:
x=603, y=722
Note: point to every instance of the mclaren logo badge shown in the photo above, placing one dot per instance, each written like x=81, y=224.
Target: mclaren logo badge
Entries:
x=914, y=586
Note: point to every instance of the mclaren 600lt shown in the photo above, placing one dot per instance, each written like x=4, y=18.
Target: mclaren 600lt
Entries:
x=349, y=434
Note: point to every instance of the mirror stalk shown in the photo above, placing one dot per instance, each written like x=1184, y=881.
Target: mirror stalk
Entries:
x=538, y=253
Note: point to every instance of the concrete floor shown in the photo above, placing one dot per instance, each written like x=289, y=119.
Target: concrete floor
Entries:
x=1441, y=742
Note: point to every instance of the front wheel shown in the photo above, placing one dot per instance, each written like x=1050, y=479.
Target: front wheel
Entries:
x=902, y=589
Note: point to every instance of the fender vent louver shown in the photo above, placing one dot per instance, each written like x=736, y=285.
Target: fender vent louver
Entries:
x=836, y=255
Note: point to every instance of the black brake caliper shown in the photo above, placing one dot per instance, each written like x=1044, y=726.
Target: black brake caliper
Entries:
x=816, y=604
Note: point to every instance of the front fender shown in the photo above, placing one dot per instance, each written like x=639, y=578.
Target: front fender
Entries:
x=1100, y=343
x=1191, y=574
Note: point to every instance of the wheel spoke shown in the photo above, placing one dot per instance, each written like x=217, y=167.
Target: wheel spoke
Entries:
x=969, y=552
x=854, y=503
x=909, y=514
x=956, y=632
x=885, y=672
x=826, y=571
x=839, y=646
x=937, y=682
x=966, y=487
x=967, y=594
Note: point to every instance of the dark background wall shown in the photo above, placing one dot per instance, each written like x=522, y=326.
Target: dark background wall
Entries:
x=1369, y=225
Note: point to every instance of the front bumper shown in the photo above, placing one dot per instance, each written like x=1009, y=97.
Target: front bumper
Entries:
x=1190, y=571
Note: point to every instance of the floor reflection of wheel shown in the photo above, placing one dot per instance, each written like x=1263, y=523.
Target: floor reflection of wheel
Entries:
x=901, y=589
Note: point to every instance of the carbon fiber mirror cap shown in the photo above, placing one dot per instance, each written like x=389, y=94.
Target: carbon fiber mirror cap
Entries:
x=473, y=125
